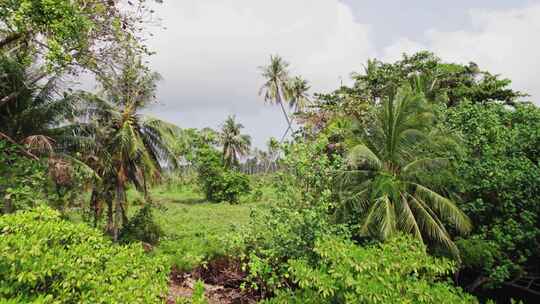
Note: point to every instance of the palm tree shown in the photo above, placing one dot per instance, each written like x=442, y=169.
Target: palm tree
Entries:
x=387, y=177
x=274, y=89
x=297, y=93
x=234, y=143
x=273, y=151
x=34, y=117
x=127, y=147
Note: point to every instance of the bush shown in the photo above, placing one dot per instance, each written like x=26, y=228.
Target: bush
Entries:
x=500, y=184
x=219, y=183
x=48, y=260
x=280, y=233
x=22, y=180
x=142, y=227
x=399, y=271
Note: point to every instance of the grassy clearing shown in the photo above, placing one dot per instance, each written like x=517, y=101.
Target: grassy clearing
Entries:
x=195, y=230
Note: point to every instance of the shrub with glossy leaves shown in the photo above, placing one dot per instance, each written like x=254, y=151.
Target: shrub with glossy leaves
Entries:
x=218, y=182
x=500, y=184
x=142, y=227
x=399, y=271
x=44, y=259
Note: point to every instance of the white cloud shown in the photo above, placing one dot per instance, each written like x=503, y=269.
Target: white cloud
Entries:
x=211, y=49
x=503, y=42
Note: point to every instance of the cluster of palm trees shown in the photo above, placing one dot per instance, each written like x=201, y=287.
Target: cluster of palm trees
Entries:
x=282, y=89
x=263, y=161
x=235, y=144
x=105, y=133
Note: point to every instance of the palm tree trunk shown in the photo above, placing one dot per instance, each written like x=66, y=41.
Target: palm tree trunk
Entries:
x=94, y=201
x=110, y=218
x=280, y=102
x=285, y=135
x=118, y=210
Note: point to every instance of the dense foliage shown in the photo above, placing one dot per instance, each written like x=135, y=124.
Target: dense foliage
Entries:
x=23, y=181
x=500, y=175
x=141, y=227
x=419, y=171
x=65, y=33
x=218, y=182
x=45, y=259
x=398, y=271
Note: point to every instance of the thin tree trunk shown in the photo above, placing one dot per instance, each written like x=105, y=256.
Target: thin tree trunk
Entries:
x=147, y=197
x=280, y=102
x=94, y=200
x=285, y=135
x=10, y=39
x=479, y=281
x=118, y=210
x=110, y=218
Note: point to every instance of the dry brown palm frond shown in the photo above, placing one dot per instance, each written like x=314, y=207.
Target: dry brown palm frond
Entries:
x=60, y=171
x=21, y=149
x=39, y=144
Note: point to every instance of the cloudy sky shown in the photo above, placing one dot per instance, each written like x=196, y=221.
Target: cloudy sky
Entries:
x=210, y=50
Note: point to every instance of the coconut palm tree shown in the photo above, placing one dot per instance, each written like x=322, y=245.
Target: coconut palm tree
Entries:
x=234, y=143
x=297, y=93
x=274, y=89
x=386, y=180
x=273, y=152
x=123, y=147
x=33, y=118
x=128, y=148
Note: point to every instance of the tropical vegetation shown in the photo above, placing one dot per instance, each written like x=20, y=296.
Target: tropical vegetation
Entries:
x=417, y=183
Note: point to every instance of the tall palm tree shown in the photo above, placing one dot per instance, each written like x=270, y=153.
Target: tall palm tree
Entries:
x=297, y=93
x=387, y=173
x=234, y=143
x=130, y=148
x=274, y=89
x=123, y=147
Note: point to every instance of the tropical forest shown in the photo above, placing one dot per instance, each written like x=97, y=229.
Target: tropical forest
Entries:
x=412, y=180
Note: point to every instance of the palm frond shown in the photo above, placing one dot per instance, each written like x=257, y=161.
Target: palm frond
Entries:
x=362, y=155
x=445, y=208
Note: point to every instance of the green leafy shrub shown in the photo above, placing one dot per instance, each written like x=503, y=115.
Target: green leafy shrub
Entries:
x=280, y=233
x=399, y=271
x=197, y=297
x=22, y=180
x=142, y=227
x=198, y=293
x=219, y=183
x=500, y=177
x=44, y=259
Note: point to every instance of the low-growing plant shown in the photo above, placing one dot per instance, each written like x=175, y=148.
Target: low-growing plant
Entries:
x=398, y=271
x=142, y=227
x=44, y=259
x=197, y=297
x=277, y=234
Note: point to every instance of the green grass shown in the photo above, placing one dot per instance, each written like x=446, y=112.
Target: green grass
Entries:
x=195, y=230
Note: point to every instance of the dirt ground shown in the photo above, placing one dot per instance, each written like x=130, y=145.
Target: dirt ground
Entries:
x=222, y=279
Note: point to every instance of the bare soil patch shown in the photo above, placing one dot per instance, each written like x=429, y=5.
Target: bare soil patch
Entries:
x=222, y=280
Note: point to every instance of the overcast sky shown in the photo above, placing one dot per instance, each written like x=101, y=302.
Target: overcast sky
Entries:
x=210, y=50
